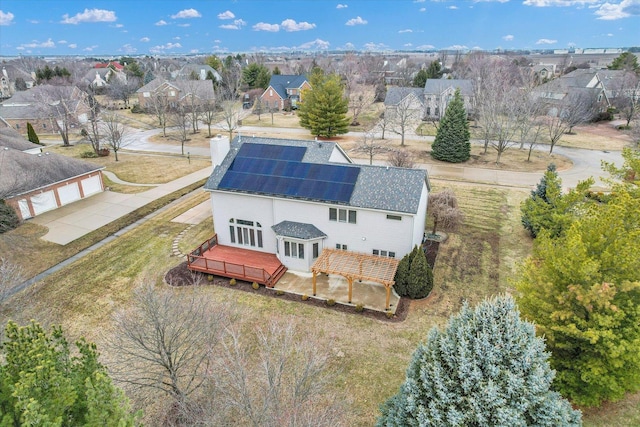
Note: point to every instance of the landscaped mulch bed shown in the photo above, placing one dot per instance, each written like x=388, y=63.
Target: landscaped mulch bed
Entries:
x=181, y=276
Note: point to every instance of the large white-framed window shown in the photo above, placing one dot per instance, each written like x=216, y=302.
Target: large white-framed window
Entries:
x=384, y=253
x=244, y=232
x=343, y=215
x=293, y=249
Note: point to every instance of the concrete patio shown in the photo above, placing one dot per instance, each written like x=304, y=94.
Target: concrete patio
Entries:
x=370, y=294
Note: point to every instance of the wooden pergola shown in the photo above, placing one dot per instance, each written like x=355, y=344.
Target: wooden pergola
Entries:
x=358, y=266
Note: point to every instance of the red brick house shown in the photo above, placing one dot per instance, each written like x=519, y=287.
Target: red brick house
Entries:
x=284, y=91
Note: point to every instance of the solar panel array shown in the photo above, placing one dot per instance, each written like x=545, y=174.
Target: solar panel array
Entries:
x=279, y=170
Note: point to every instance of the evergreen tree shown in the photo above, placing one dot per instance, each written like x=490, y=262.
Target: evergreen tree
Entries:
x=434, y=71
x=31, y=134
x=583, y=291
x=420, y=79
x=8, y=217
x=148, y=77
x=452, y=139
x=276, y=71
x=420, y=280
x=41, y=383
x=486, y=368
x=402, y=274
x=323, y=109
x=626, y=61
x=256, y=76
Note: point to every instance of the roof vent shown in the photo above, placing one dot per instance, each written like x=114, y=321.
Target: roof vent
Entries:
x=46, y=154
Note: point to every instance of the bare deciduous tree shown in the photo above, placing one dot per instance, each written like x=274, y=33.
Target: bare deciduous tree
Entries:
x=165, y=341
x=158, y=105
x=401, y=159
x=405, y=115
x=443, y=209
x=371, y=146
x=92, y=133
x=274, y=379
x=578, y=108
x=360, y=97
x=180, y=119
x=61, y=104
x=122, y=89
x=230, y=115
x=114, y=132
x=625, y=93
x=208, y=114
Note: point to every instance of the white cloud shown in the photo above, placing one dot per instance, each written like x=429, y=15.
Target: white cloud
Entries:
x=73, y=45
x=624, y=9
x=458, y=47
x=90, y=48
x=226, y=15
x=418, y=1
x=237, y=24
x=609, y=35
x=342, y=6
x=162, y=48
x=62, y=42
x=547, y=3
x=90, y=15
x=127, y=48
x=407, y=44
x=423, y=9
x=263, y=26
x=161, y=23
x=184, y=25
x=375, y=46
x=546, y=41
x=176, y=38
x=453, y=7
x=316, y=44
x=194, y=51
x=425, y=47
x=356, y=21
x=6, y=18
x=186, y=14
x=348, y=46
x=118, y=26
x=508, y=37
x=290, y=25
x=33, y=21
x=36, y=44
x=145, y=39
x=405, y=31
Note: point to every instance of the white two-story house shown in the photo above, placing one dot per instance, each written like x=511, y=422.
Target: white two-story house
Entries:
x=295, y=198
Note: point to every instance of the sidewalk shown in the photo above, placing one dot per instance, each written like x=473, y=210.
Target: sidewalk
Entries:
x=73, y=221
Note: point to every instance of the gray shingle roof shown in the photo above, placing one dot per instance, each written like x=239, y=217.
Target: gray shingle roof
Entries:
x=12, y=139
x=437, y=86
x=395, y=94
x=22, y=172
x=281, y=82
x=297, y=230
x=377, y=187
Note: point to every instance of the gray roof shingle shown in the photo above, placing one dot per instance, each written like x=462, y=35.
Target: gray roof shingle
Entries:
x=9, y=137
x=437, y=86
x=377, y=187
x=395, y=94
x=281, y=82
x=297, y=230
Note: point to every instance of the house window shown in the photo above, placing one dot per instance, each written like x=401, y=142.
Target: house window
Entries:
x=146, y=94
x=172, y=93
x=44, y=126
x=17, y=126
x=245, y=233
x=394, y=217
x=316, y=250
x=342, y=215
x=340, y=246
x=270, y=92
x=380, y=252
x=293, y=249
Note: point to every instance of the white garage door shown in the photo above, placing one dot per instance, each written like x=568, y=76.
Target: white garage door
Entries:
x=91, y=185
x=43, y=202
x=69, y=193
x=24, y=208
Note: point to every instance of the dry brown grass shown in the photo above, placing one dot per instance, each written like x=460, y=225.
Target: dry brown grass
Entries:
x=280, y=120
x=597, y=136
x=136, y=167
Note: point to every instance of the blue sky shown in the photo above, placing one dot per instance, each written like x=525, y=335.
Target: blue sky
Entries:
x=135, y=27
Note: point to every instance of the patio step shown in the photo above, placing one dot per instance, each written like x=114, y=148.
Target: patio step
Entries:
x=276, y=276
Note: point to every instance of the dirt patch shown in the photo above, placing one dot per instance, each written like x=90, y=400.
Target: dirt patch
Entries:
x=181, y=276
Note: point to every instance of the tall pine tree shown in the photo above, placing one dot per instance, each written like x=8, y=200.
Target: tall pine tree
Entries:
x=486, y=368
x=452, y=139
x=32, y=135
x=323, y=109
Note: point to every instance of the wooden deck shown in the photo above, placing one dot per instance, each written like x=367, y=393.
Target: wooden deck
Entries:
x=237, y=263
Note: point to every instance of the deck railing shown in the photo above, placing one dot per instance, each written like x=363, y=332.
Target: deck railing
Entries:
x=197, y=261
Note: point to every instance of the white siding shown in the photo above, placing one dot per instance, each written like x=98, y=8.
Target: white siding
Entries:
x=421, y=217
x=68, y=193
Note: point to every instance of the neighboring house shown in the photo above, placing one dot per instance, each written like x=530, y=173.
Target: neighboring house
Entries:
x=284, y=91
x=8, y=80
x=543, y=72
x=200, y=71
x=112, y=64
x=12, y=139
x=36, y=106
x=407, y=98
x=293, y=199
x=36, y=183
x=175, y=92
x=584, y=84
x=103, y=73
x=439, y=92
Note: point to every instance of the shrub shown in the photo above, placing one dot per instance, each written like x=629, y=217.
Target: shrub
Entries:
x=233, y=282
x=359, y=308
x=255, y=286
x=389, y=315
x=88, y=155
x=420, y=280
x=8, y=217
x=279, y=292
x=305, y=297
x=331, y=302
x=136, y=109
x=210, y=277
